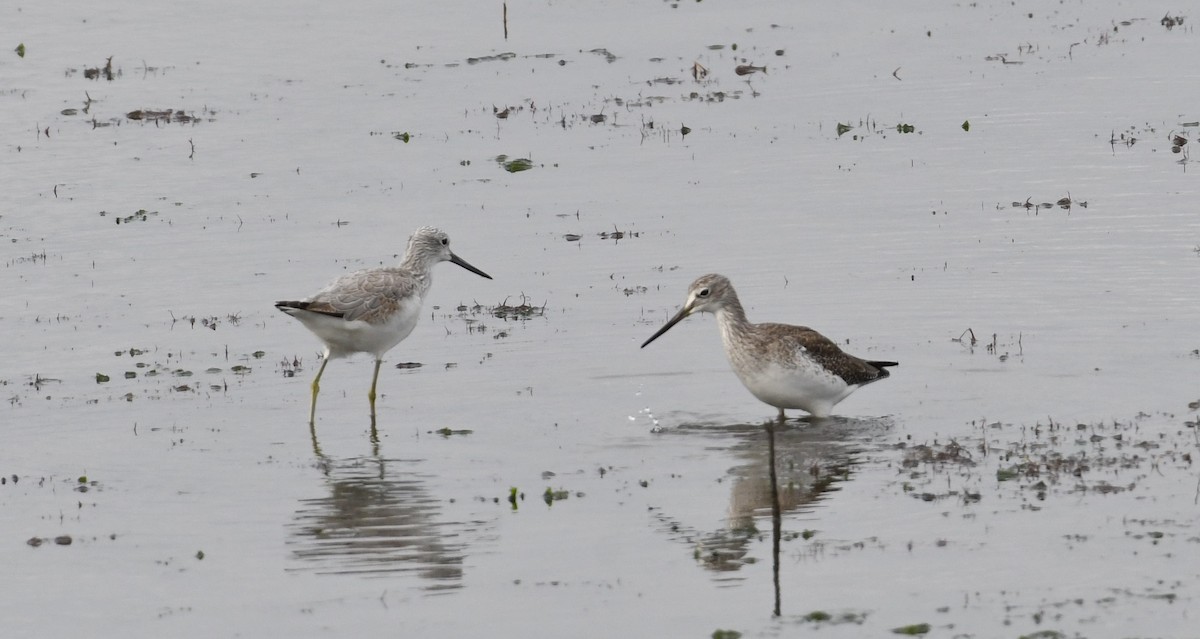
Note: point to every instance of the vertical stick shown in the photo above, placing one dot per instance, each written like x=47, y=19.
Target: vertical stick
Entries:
x=776, y=516
x=505, y=20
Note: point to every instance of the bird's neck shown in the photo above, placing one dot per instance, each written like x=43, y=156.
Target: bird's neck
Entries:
x=415, y=264
x=420, y=271
x=731, y=317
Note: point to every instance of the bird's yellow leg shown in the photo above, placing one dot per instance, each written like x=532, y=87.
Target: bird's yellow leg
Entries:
x=316, y=388
x=371, y=394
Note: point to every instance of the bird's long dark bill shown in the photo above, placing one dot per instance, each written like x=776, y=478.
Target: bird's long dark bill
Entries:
x=683, y=312
x=463, y=263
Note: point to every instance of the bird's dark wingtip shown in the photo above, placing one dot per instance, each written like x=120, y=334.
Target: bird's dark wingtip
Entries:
x=882, y=368
x=289, y=306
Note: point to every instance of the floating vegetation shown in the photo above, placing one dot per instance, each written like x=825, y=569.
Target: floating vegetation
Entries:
x=403, y=137
x=492, y=58
x=211, y=322
x=713, y=96
x=1126, y=140
x=616, y=234
x=503, y=114
x=551, y=496
x=140, y=215
x=30, y=259
x=820, y=616
x=1170, y=22
x=61, y=540
x=20, y=50
x=1179, y=145
x=102, y=378
x=522, y=311
x=869, y=126
x=912, y=629
x=1002, y=58
x=605, y=53
x=1044, y=634
x=515, y=165
x=950, y=453
x=1066, y=203
x=132, y=352
x=162, y=115
x=747, y=69
x=1102, y=459
x=94, y=73
x=447, y=432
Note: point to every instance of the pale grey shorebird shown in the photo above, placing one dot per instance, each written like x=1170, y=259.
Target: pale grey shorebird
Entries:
x=782, y=365
x=372, y=310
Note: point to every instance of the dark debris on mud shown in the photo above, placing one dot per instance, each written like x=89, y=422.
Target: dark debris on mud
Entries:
x=522, y=310
x=615, y=235
x=178, y=116
x=1047, y=458
x=1065, y=203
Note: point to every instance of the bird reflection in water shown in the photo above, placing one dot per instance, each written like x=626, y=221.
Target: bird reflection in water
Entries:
x=377, y=518
x=786, y=469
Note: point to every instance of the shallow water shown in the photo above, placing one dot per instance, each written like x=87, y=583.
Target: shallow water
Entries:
x=208, y=500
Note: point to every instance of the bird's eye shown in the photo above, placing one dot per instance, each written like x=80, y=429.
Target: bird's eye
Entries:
x=445, y=241
x=703, y=293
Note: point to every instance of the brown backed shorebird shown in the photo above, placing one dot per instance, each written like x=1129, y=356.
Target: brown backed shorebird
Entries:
x=782, y=365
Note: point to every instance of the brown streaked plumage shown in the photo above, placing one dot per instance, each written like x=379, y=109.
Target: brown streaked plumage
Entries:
x=372, y=310
x=782, y=365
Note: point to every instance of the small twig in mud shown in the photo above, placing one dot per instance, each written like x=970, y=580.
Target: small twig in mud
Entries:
x=960, y=337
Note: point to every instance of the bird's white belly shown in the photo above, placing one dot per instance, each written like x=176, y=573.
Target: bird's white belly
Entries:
x=356, y=336
x=380, y=338
x=808, y=387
